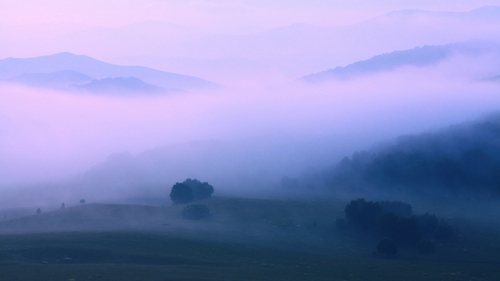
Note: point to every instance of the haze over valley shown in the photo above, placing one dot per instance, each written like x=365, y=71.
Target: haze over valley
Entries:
x=320, y=133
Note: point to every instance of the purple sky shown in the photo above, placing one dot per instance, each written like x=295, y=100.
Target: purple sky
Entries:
x=218, y=14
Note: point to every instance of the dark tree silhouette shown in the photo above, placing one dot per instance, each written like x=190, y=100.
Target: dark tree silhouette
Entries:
x=189, y=190
x=394, y=221
x=427, y=223
x=398, y=208
x=444, y=232
x=387, y=224
x=200, y=190
x=387, y=247
x=426, y=246
x=181, y=193
x=454, y=159
x=362, y=214
x=407, y=231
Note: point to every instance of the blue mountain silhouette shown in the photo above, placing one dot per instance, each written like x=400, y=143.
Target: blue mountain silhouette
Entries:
x=416, y=57
x=29, y=71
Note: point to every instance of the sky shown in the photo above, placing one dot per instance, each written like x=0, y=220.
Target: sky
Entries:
x=216, y=14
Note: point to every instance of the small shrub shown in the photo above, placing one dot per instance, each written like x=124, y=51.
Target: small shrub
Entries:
x=195, y=212
x=387, y=247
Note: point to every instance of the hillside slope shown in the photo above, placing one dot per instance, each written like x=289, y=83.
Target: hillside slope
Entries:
x=416, y=57
x=461, y=158
x=32, y=68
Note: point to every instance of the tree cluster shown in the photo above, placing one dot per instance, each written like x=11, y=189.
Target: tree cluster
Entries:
x=462, y=157
x=395, y=221
x=190, y=190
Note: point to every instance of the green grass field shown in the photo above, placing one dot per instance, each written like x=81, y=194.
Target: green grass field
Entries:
x=244, y=239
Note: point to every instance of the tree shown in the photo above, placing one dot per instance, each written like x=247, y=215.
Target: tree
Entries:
x=426, y=246
x=181, y=193
x=189, y=190
x=387, y=247
x=362, y=214
x=407, y=231
x=398, y=208
x=82, y=201
x=38, y=211
x=200, y=190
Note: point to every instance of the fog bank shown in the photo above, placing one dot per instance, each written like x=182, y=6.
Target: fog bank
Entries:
x=50, y=135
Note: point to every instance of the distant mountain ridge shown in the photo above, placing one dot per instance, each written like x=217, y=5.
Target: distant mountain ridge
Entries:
x=126, y=85
x=495, y=79
x=484, y=13
x=416, y=57
x=66, y=69
x=295, y=50
x=62, y=79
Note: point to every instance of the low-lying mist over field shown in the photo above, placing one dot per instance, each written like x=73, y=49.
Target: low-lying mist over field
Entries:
x=50, y=135
x=244, y=139
x=249, y=140
x=256, y=111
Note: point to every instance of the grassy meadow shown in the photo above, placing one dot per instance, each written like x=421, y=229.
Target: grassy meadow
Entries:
x=243, y=239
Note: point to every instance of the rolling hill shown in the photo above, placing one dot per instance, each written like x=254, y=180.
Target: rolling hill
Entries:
x=416, y=57
x=66, y=69
x=460, y=159
x=58, y=79
x=495, y=79
x=243, y=239
x=120, y=85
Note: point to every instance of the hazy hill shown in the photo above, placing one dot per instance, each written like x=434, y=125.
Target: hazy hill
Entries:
x=416, y=57
x=308, y=48
x=493, y=79
x=242, y=240
x=227, y=71
x=306, y=224
x=91, y=217
x=59, y=79
x=488, y=13
x=461, y=158
x=233, y=168
x=120, y=85
x=251, y=167
x=13, y=67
